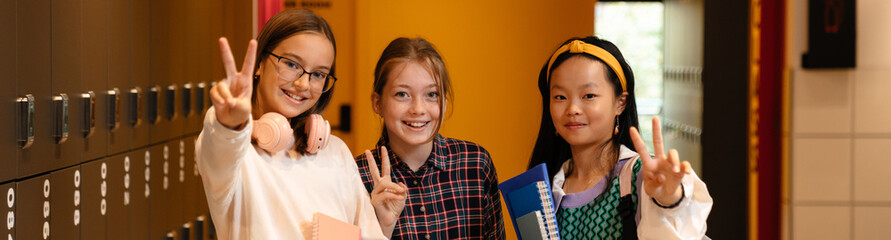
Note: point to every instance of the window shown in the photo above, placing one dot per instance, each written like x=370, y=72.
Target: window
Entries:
x=637, y=29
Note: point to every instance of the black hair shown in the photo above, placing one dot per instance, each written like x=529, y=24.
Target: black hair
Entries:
x=554, y=150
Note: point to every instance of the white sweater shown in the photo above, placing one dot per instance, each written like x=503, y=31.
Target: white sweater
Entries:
x=253, y=195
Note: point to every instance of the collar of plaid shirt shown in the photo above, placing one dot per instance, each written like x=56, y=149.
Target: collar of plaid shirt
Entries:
x=437, y=157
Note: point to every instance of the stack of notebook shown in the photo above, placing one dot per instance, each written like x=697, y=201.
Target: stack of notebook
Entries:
x=325, y=227
x=531, y=204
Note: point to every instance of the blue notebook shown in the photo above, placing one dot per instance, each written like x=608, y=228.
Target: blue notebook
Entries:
x=529, y=192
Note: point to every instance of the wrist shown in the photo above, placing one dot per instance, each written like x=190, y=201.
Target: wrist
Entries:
x=671, y=200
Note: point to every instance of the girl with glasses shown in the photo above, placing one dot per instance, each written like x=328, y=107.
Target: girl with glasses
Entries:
x=255, y=193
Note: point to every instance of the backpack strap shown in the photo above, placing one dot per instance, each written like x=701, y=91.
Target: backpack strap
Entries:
x=627, y=208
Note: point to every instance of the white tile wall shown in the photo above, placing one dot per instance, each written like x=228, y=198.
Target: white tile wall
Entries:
x=872, y=163
x=811, y=222
x=831, y=111
x=821, y=170
x=872, y=99
x=822, y=101
x=873, y=33
x=872, y=223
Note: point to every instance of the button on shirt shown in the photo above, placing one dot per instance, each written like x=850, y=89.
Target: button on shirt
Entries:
x=454, y=194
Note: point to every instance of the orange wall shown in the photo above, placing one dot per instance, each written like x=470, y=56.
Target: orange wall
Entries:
x=493, y=51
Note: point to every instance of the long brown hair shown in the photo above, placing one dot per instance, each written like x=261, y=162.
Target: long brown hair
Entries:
x=417, y=50
x=280, y=27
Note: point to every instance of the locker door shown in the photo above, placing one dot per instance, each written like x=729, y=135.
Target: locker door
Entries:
x=139, y=73
x=139, y=212
x=94, y=199
x=178, y=67
x=95, y=71
x=8, y=94
x=34, y=106
x=66, y=83
x=194, y=32
x=158, y=185
x=8, y=210
x=177, y=198
x=32, y=216
x=190, y=190
x=160, y=71
x=119, y=76
x=117, y=198
x=65, y=203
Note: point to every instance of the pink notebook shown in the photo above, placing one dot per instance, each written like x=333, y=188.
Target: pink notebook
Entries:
x=325, y=227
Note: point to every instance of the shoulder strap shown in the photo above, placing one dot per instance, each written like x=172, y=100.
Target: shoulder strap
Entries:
x=625, y=177
x=626, y=205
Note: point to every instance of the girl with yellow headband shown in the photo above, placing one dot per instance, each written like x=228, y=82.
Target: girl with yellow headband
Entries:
x=605, y=183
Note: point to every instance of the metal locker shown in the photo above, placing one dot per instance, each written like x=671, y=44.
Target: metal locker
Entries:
x=65, y=203
x=7, y=209
x=118, y=198
x=158, y=185
x=119, y=84
x=160, y=71
x=33, y=103
x=8, y=65
x=32, y=208
x=95, y=79
x=139, y=73
x=67, y=84
x=94, y=199
x=138, y=185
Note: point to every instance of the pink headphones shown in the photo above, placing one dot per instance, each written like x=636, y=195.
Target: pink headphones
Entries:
x=274, y=134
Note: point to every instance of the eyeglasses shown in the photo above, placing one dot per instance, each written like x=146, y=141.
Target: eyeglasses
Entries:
x=290, y=70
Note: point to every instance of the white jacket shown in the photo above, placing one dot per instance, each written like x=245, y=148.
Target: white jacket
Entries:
x=253, y=195
x=686, y=221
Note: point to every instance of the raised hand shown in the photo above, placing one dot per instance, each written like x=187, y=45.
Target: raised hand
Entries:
x=661, y=175
x=387, y=197
x=232, y=96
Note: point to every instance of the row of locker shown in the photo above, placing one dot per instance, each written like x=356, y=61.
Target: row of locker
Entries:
x=149, y=193
x=89, y=79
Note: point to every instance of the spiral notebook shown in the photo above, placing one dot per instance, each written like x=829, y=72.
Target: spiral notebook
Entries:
x=325, y=227
x=527, y=193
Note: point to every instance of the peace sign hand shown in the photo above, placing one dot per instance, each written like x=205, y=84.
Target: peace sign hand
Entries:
x=232, y=96
x=661, y=176
x=387, y=197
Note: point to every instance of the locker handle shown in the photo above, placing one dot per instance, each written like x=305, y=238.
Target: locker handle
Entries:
x=153, y=104
x=187, y=99
x=135, y=109
x=113, y=118
x=26, y=121
x=199, y=98
x=60, y=131
x=89, y=101
x=171, y=102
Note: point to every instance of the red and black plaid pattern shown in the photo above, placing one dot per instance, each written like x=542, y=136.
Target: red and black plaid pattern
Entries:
x=454, y=195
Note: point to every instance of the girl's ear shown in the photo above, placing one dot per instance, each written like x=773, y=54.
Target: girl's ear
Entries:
x=621, y=100
x=376, y=103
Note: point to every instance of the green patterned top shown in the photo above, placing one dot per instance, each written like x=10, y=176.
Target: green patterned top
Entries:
x=600, y=218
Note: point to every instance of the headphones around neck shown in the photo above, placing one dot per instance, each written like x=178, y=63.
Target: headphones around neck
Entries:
x=274, y=134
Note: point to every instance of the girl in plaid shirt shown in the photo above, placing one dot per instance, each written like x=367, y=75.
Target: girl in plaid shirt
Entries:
x=439, y=187
x=589, y=133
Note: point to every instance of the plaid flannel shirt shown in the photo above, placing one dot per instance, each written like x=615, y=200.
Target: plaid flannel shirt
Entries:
x=454, y=195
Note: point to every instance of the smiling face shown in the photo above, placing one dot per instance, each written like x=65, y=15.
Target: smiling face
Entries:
x=311, y=50
x=409, y=104
x=583, y=102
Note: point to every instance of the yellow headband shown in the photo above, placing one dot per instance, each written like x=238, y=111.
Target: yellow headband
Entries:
x=577, y=46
